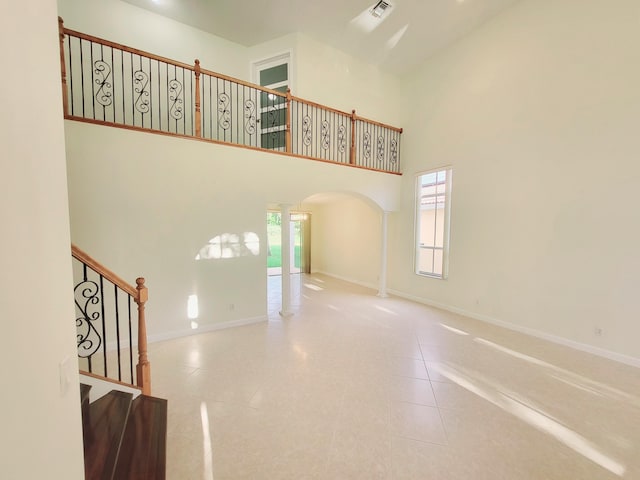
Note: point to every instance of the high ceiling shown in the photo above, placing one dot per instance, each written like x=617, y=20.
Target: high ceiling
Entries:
x=409, y=32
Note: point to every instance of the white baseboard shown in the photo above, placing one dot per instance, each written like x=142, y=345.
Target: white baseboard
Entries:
x=159, y=337
x=601, y=352
x=347, y=279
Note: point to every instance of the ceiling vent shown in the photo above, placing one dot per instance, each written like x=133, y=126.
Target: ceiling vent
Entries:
x=380, y=8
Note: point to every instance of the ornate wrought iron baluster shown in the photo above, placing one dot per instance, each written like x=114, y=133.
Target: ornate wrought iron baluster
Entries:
x=380, y=149
x=366, y=147
x=87, y=301
x=224, y=114
x=394, y=152
x=342, y=139
x=306, y=130
x=102, y=71
x=325, y=135
x=141, y=80
x=175, y=100
x=250, y=117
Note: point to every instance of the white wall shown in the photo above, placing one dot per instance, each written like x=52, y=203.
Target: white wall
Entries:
x=144, y=205
x=346, y=239
x=346, y=83
x=538, y=114
x=41, y=435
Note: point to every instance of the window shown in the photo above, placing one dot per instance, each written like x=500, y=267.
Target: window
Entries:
x=273, y=73
x=432, y=222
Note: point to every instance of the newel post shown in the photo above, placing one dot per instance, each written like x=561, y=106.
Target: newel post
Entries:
x=63, y=68
x=198, y=118
x=352, y=150
x=288, y=130
x=143, y=369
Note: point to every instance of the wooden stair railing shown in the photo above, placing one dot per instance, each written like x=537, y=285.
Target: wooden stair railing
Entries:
x=91, y=296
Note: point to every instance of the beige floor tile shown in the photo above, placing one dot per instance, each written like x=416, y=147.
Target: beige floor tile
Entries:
x=353, y=386
x=417, y=422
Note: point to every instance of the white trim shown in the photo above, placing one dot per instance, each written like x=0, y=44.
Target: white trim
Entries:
x=348, y=279
x=601, y=352
x=160, y=337
x=285, y=56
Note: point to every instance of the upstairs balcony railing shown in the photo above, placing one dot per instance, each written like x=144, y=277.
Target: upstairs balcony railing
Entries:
x=104, y=82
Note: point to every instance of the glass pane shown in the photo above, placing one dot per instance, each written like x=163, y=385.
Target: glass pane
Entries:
x=297, y=244
x=437, y=262
x=271, y=99
x=272, y=75
x=425, y=260
x=273, y=140
x=439, y=225
x=427, y=227
x=273, y=118
x=274, y=258
x=429, y=179
x=428, y=190
x=442, y=184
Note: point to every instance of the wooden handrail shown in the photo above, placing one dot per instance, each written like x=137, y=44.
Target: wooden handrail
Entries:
x=379, y=124
x=222, y=76
x=104, y=271
x=346, y=114
x=125, y=48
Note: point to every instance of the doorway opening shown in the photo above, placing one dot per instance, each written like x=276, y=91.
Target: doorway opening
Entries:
x=273, y=73
x=300, y=242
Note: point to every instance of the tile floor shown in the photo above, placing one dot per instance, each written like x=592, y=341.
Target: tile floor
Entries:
x=357, y=387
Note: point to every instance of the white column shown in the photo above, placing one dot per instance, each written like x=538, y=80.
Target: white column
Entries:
x=285, y=234
x=382, y=287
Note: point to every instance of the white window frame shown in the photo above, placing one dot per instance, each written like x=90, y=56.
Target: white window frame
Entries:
x=446, y=228
x=266, y=63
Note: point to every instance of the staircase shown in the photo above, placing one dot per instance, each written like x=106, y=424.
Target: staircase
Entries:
x=124, y=437
x=124, y=428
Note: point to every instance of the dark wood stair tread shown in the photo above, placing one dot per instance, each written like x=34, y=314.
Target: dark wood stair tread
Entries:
x=84, y=392
x=103, y=433
x=143, y=451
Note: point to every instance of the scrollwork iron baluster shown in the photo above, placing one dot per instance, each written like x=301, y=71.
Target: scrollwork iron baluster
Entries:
x=224, y=117
x=175, y=92
x=342, y=138
x=306, y=130
x=394, y=150
x=250, y=117
x=272, y=117
x=141, y=79
x=380, y=149
x=102, y=71
x=87, y=336
x=366, y=145
x=325, y=135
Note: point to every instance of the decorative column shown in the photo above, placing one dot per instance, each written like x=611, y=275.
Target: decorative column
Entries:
x=382, y=287
x=285, y=234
